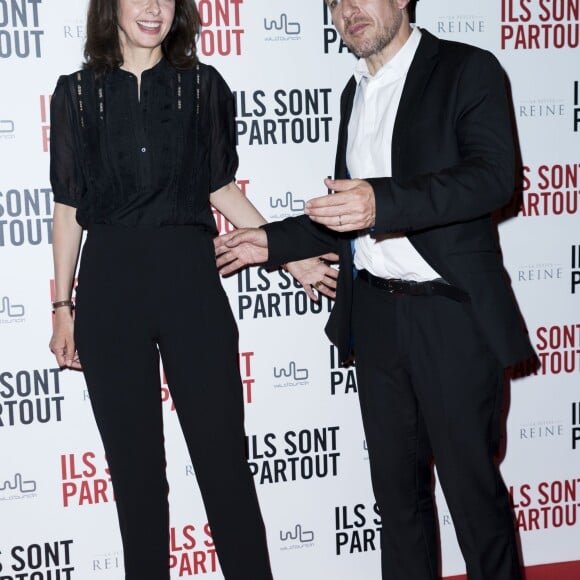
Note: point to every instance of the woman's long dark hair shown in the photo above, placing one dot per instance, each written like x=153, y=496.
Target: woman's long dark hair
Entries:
x=102, y=47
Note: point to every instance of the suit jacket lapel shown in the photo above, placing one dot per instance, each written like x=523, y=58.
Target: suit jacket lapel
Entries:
x=423, y=63
x=417, y=78
x=346, y=101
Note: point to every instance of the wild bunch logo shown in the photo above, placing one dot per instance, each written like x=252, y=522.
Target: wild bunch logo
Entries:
x=282, y=29
x=286, y=205
x=296, y=538
x=45, y=561
x=17, y=487
x=20, y=31
x=10, y=311
x=294, y=455
x=222, y=29
x=7, y=130
x=540, y=24
x=26, y=216
x=357, y=529
x=290, y=375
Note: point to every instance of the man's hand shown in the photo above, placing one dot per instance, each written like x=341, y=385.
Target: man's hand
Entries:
x=351, y=208
x=315, y=273
x=245, y=247
x=240, y=248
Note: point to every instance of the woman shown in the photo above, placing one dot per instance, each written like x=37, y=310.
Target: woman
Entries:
x=143, y=139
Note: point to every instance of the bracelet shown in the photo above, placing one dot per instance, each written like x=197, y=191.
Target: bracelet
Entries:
x=63, y=303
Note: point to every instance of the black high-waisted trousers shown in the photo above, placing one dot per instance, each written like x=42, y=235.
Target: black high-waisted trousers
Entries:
x=145, y=292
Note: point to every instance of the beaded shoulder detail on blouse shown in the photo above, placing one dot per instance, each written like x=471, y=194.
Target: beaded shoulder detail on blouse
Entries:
x=197, y=84
x=79, y=90
x=101, y=98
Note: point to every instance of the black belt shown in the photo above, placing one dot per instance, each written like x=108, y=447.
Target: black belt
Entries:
x=396, y=286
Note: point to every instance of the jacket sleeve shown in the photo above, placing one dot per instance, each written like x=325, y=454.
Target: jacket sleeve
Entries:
x=483, y=178
x=297, y=238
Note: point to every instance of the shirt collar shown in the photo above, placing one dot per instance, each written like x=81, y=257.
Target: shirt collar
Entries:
x=397, y=67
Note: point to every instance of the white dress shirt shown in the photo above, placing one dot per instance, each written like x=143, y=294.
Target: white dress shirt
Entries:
x=370, y=133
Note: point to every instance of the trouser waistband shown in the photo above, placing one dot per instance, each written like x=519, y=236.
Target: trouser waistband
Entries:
x=396, y=286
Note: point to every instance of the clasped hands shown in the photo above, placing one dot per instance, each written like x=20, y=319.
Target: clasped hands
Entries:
x=350, y=208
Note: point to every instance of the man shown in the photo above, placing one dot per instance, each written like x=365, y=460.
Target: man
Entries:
x=425, y=155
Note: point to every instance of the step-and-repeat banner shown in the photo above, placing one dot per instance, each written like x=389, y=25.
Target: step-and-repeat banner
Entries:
x=305, y=443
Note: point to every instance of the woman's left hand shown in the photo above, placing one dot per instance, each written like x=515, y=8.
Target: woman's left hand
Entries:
x=316, y=273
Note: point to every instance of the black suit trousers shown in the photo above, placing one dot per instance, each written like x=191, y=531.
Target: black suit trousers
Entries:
x=142, y=293
x=431, y=389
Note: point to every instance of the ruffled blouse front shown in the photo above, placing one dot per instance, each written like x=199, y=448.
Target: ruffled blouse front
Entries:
x=149, y=159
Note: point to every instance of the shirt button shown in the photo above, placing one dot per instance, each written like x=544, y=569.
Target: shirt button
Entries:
x=143, y=149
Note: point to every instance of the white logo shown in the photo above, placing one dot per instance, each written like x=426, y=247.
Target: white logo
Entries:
x=11, y=310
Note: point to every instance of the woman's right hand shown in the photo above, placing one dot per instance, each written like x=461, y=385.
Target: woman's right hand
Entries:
x=62, y=343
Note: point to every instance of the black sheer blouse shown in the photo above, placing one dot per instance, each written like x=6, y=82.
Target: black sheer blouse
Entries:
x=151, y=159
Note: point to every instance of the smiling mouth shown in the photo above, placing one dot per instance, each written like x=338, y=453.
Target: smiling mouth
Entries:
x=150, y=26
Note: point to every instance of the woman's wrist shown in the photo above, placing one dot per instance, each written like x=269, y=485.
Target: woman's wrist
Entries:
x=63, y=305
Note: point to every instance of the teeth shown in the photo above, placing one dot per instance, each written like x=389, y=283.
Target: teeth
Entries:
x=151, y=25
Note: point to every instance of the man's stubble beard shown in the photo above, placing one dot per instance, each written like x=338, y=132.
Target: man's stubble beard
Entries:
x=376, y=44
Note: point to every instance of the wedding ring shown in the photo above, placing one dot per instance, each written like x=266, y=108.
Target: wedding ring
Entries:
x=318, y=284
x=339, y=220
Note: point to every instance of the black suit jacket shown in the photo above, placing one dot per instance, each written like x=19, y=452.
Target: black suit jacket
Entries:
x=452, y=165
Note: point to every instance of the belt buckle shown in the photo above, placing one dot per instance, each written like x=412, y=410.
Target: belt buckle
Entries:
x=415, y=288
x=396, y=287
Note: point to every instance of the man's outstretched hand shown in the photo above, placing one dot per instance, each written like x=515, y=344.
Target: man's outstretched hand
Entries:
x=249, y=246
x=243, y=247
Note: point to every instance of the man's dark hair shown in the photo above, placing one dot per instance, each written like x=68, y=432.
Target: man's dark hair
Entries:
x=411, y=7
x=102, y=47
